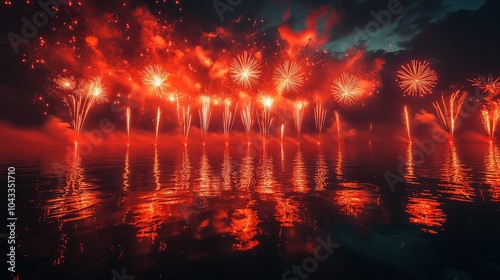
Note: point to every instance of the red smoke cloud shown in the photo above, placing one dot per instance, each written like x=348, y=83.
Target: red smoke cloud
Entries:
x=313, y=33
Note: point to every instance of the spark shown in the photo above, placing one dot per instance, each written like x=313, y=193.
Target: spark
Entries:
x=245, y=70
x=346, y=89
x=417, y=78
x=288, y=77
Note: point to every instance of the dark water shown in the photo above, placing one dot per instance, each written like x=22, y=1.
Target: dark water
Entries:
x=239, y=212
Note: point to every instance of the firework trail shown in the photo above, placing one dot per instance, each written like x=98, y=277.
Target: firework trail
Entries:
x=406, y=117
x=448, y=109
x=282, y=132
x=158, y=116
x=128, y=123
x=298, y=116
x=247, y=117
x=266, y=120
x=228, y=117
x=417, y=78
x=339, y=126
x=205, y=113
x=174, y=97
x=288, y=77
x=186, y=122
x=245, y=70
x=346, y=89
x=79, y=98
x=490, y=118
x=319, y=116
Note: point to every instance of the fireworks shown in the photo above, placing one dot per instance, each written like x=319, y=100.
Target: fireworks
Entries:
x=66, y=83
x=266, y=120
x=158, y=117
x=490, y=118
x=406, y=118
x=156, y=79
x=339, y=126
x=282, y=132
x=288, y=77
x=186, y=122
x=346, y=89
x=298, y=115
x=247, y=116
x=245, y=70
x=319, y=116
x=491, y=112
x=448, y=109
x=205, y=113
x=489, y=85
x=417, y=78
x=96, y=90
x=267, y=102
x=128, y=122
x=80, y=97
x=228, y=117
x=174, y=97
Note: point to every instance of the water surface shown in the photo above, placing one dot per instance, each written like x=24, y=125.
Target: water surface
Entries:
x=246, y=212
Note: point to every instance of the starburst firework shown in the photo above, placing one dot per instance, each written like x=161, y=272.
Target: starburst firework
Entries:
x=417, y=78
x=155, y=77
x=245, y=70
x=346, y=89
x=288, y=77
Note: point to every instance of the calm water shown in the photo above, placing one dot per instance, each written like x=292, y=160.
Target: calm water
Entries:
x=217, y=212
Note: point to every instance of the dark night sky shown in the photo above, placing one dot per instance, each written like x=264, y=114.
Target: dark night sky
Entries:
x=460, y=38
